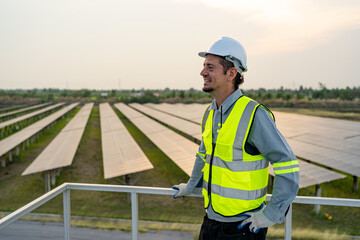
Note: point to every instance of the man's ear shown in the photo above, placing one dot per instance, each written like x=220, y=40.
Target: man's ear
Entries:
x=232, y=73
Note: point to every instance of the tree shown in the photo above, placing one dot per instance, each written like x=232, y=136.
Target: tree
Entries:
x=267, y=96
x=85, y=93
x=50, y=97
x=299, y=96
x=322, y=86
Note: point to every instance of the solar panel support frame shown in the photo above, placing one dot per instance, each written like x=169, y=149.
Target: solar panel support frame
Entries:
x=47, y=181
x=3, y=161
x=355, y=184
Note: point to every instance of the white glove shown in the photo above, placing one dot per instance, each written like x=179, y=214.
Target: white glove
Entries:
x=182, y=190
x=257, y=220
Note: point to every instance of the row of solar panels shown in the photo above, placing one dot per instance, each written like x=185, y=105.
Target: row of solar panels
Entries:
x=15, y=140
x=7, y=126
x=121, y=154
x=181, y=150
x=310, y=174
x=61, y=151
x=12, y=121
x=5, y=109
x=333, y=143
x=22, y=110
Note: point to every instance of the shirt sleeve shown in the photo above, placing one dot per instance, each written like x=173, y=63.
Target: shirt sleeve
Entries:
x=197, y=174
x=267, y=139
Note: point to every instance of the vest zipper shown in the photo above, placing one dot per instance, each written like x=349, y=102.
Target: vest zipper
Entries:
x=211, y=159
x=210, y=172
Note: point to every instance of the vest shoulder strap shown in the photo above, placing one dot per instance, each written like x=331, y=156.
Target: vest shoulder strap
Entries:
x=204, y=118
x=269, y=111
x=260, y=105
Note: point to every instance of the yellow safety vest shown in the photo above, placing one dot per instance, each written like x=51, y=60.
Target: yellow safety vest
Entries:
x=234, y=180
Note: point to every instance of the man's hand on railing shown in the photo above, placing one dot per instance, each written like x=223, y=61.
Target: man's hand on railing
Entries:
x=182, y=190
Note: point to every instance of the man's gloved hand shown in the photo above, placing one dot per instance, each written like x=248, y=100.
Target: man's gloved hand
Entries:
x=257, y=220
x=182, y=190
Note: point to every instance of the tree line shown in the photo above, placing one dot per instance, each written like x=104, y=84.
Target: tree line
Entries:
x=302, y=94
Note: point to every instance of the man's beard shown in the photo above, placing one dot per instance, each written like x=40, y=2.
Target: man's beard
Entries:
x=208, y=89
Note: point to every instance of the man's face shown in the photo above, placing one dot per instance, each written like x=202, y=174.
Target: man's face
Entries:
x=213, y=74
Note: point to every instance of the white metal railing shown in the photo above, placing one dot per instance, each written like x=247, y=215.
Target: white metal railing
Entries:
x=134, y=191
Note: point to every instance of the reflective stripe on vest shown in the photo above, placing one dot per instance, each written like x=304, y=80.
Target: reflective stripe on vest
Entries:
x=234, y=180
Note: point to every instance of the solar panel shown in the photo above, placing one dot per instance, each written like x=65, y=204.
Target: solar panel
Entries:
x=348, y=147
x=12, y=107
x=185, y=126
x=342, y=161
x=81, y=118
x=61, y=151
x=321, y=121
x=121, y=154
x=23, y=110
x=333, y=128
x=29, y=115
x=178, y=148
x=17, y=138
x=193, y=112
x=330, y=142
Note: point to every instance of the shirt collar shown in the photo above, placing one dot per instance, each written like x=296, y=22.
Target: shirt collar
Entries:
x=229, y=101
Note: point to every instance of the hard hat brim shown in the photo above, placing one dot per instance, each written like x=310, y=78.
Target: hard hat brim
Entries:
x=240, y=68
x=202, y=54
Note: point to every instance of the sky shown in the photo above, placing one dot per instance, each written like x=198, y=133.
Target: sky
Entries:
x=153, y=44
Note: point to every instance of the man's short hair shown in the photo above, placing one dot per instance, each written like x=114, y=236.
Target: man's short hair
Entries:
x=239, y=78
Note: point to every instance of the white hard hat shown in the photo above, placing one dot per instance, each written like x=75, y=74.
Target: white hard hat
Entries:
x=231, y=50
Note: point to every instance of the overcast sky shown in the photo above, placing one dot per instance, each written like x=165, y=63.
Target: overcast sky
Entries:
x=153, y=44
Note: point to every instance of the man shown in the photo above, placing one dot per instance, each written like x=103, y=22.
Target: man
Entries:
x=239, y=139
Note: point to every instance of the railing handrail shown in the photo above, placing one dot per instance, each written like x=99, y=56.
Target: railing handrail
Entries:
x=12, y=217
x=346, y=202
x=134, y=190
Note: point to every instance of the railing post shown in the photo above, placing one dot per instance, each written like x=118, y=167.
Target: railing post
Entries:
x=67, y=214
x=318, y=194
x=288, y=223
x=355, y=184
x=134, y=215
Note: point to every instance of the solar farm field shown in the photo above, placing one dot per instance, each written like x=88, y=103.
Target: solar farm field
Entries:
x=87, y=167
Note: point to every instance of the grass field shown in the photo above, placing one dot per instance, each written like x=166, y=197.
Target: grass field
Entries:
x=16, y=191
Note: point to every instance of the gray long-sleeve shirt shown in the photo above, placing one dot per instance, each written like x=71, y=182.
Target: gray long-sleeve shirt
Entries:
x=265, y=138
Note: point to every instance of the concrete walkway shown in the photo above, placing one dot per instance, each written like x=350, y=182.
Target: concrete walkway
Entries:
x=34, y=230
